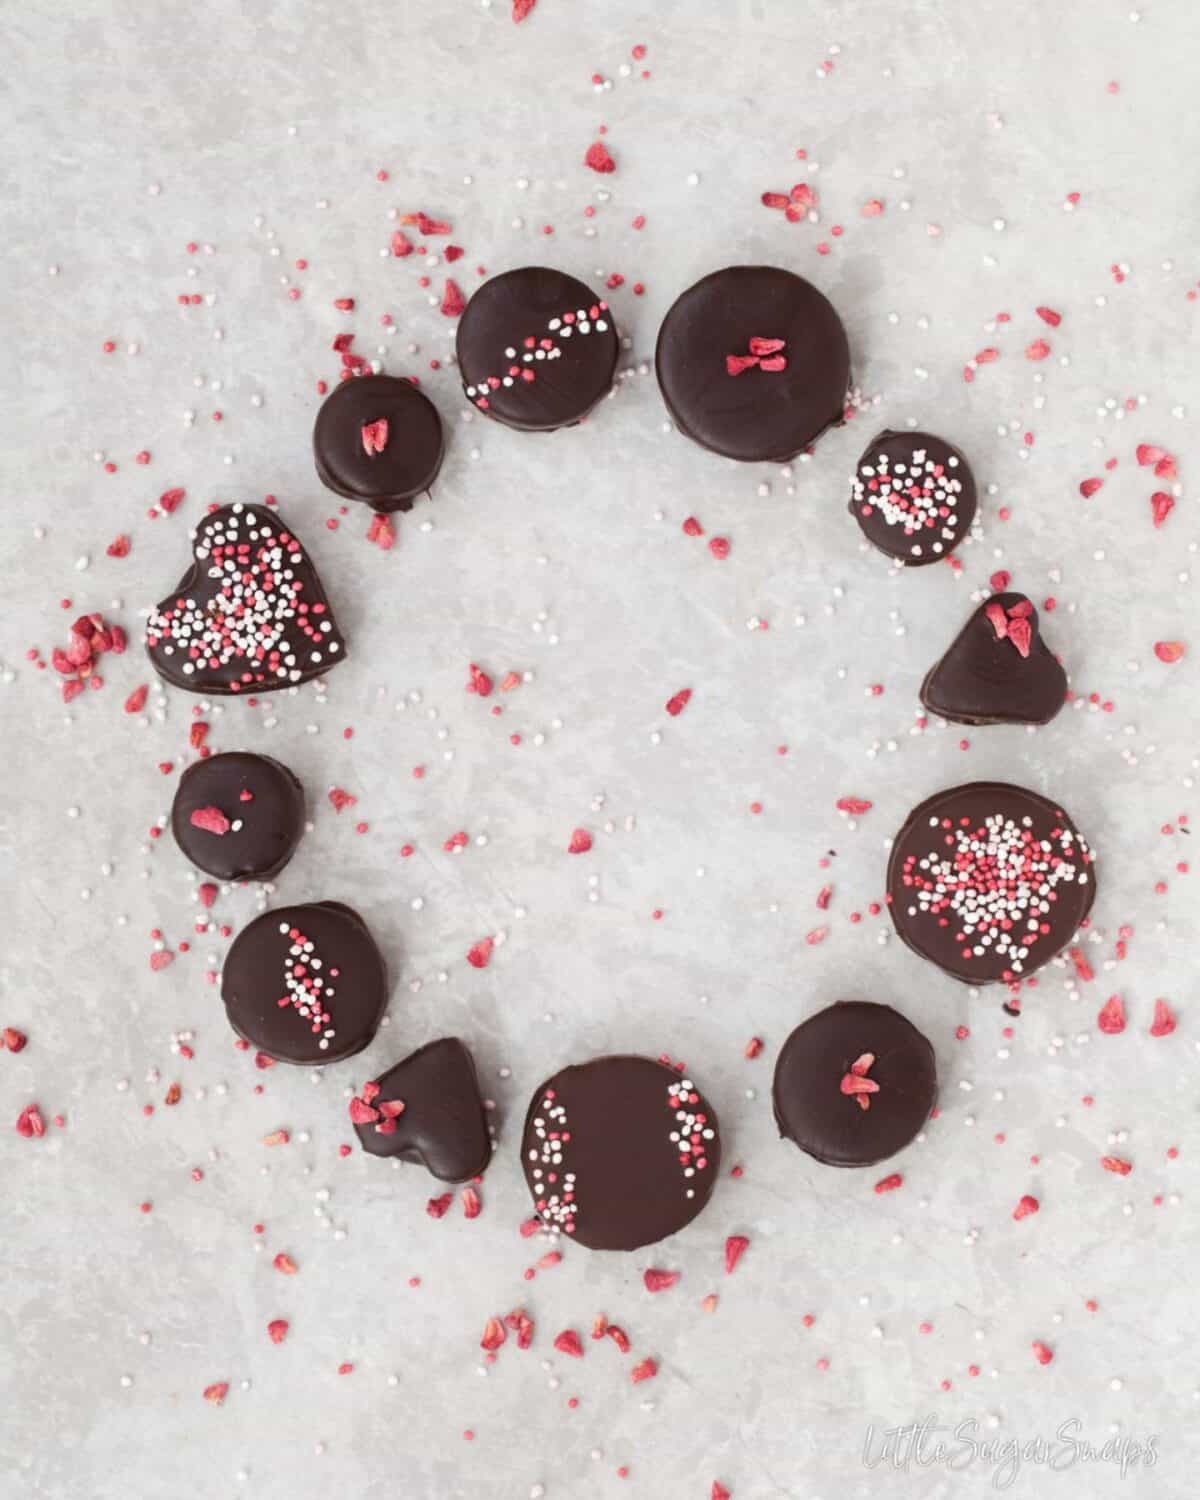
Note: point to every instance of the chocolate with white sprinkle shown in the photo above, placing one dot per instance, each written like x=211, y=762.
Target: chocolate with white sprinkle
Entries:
x=913, y=496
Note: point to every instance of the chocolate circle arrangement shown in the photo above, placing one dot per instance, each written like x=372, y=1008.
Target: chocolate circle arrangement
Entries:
x=536, y=349
x=753, y=363
x=619, y=1152
x=238, y=816
x=305, y=984
x=427, y=1109
x=998, y=669
x=249, y=615
x=378, y=439
x=854, y=1084
x=989, y=881
x=913, y=496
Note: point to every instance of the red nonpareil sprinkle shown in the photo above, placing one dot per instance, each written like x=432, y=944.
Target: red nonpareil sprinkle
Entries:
x=855, y=806
x=478, y=681
x=30, y=1123
x=1168, y=651
x=277, y=1330
x=119, y=546
x=436, y=1207
x=521, y=9
x=215, y=1394
x=889, y=1184
x=284, y=1264
x=1041, y=1353
x=752, y=1048
x=480, y=954
x=1089, y=487
x=1164, y=1019
x=136, y=700
x=14, y=1040
x=719, y=547
x=493, y=1335
x=211, y=819
x=1025, y=1207
x=453, y=301
x=735, y=1247
x=645, y=1369
x=676, y=704
x=1116, y=1164
x=580, y=842
x=170, y=500
x=341, y=799
x=374, y=436
x=1039, y=349
x=655, y=1280
x=568, y=1342
x=598, y=158
x=692, y=527
x=1161, y=506
x=472, y=1204
x=1111, y=1019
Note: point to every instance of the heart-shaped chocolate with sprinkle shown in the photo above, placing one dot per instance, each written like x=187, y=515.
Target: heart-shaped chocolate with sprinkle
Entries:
x=249, y=615
x=998, y=669
x=427, y=1109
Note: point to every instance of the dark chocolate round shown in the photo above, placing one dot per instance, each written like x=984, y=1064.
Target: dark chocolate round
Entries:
x=753, y=363
x=989, y=881
x=378, y=439
x=536, y=349
x=913, y=496
x=238, y=816
x=619, y=1152
x=305, y=984
x=998, y=669
x=442, y=1125
x=854, y=1084
x=249, y=615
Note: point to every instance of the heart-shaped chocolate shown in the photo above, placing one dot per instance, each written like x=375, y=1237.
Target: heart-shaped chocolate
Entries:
x=998, y=669
x=427, y=1109
x=249, y=615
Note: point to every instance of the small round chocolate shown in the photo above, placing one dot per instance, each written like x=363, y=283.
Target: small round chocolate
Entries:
x=753, y=363
x=989, y=881
x=427, y=1109
x=378, y=439
x=998, y=669
x=913, y=496
x=305, y=984
x=619, y=1152
x=238, y=816
x=536, y=349
x=854, y=1084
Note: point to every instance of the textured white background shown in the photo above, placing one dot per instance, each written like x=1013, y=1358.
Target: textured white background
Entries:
x=579, y=533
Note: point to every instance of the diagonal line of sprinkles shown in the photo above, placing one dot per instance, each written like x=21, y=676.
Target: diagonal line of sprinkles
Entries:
x=262, y=622
x=306, y=988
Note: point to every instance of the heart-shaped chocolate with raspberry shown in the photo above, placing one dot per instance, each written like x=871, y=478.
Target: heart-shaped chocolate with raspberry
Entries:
x=249, y=615
x=427, y=1109
x=998, y=669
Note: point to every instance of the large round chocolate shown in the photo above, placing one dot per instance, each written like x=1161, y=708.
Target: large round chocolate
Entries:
x=536, y=349
x=913, y=496
x=427, y=1109
x=619, y=1152
x=238, y=816
x=305, y=984
x=998, y=669
x=249, y=615
x=753, y=363
x=989, y=881
x=378, y=439
x=854, y=1084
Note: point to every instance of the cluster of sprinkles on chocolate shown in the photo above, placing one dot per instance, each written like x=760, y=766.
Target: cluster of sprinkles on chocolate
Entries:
x=521, y=363
x=913, y=495
x=306, y=989
x=250, y=615
x=555, y=1195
